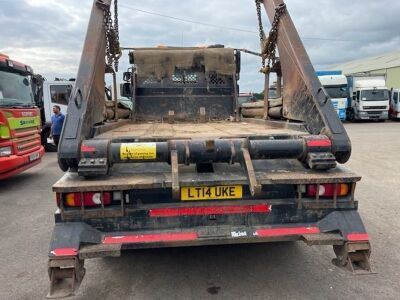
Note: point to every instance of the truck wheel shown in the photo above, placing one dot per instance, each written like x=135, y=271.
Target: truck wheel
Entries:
x=49, y=147
x=351, y=116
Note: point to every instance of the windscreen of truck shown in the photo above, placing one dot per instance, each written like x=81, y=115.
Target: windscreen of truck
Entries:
x=336, y=91
x=375, y=95
x=15, y=90
x=245, y=99
x=60, y=94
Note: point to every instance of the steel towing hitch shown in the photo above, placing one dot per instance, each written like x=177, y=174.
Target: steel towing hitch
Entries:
x=66, y=275
x=354, y=256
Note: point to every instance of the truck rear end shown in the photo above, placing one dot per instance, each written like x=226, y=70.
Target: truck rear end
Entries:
x=189, y=170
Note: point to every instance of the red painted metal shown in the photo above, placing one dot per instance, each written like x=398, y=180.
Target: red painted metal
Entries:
x=24, y=143
x=151, y=238
x=13, y=165
x=209, y=210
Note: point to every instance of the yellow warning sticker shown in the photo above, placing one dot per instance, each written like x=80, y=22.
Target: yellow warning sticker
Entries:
x=138, y=151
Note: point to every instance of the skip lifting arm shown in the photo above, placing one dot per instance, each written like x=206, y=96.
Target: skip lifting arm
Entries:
x=85, y=108
x=304, y=99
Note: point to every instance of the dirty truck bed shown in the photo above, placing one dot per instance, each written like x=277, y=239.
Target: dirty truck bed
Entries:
x=218, y=129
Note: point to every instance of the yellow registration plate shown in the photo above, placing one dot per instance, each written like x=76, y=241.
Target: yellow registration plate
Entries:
x=211, y=193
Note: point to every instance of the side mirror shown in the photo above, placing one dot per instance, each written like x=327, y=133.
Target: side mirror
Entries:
x=126, y=90
x=127, y=76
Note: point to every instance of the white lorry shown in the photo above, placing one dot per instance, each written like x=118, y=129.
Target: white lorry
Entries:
x=394, y=111
x=58, y=92
x=368, y=98
x=335, y=84
x=48, y=94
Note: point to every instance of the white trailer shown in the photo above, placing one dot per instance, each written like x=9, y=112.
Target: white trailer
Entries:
x=368, y=98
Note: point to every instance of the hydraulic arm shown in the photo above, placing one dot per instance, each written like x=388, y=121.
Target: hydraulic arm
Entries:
x=304, y=99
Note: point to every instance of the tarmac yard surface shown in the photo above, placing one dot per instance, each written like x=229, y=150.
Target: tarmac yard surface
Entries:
x=259, y=271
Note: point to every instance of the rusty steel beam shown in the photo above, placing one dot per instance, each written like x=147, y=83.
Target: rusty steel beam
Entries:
x=303, y=96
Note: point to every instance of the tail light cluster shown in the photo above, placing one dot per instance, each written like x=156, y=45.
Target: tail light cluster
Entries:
x=328, y=190
x=90, y=199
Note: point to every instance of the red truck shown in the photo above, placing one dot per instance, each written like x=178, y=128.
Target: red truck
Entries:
x=20, y=144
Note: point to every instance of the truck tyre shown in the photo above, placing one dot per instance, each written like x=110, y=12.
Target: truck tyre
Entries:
x=351, y=116
x=47, y=146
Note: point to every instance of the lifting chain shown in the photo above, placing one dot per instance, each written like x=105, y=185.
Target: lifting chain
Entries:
x=268, y=45
x=113, y=51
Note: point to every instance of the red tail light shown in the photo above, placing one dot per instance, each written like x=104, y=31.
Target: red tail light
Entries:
x=90, y=199
x=328, y=190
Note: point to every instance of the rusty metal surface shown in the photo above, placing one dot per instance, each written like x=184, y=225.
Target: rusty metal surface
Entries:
x=87, y=99
x=66, y=275
x=255, y=187
x=175, y=175
x=163, y=62
x=354, y=256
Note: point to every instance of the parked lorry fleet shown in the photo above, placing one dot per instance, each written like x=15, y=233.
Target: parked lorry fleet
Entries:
x=187, y=169
x=20, y=143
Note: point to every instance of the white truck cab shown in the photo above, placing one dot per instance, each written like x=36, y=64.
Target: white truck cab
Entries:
x=395, y=104
x=368, y=98
x=54, y=93
x=335, y=84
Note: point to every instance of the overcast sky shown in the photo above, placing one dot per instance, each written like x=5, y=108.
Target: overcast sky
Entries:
x=48, y=35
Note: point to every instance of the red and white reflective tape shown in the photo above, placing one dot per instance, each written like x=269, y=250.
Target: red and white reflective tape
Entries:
x=358, y=237
x=64, y=252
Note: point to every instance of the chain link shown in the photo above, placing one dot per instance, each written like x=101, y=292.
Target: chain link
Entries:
x=111, y=31
x=260, y=24
x=116, y=29
x=268, y=45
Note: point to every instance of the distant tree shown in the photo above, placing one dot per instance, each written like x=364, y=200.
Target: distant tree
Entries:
x=259, y=96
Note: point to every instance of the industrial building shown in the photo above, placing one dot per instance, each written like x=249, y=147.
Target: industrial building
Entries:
x=387, y=64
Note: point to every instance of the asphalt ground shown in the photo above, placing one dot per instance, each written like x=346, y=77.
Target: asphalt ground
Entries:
x=257, y=271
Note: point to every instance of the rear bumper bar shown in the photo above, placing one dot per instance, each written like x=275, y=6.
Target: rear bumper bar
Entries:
x=80, y=239
x=74, y=242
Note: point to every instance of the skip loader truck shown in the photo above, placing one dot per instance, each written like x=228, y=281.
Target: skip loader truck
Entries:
x=20, y=147
x=187, y=169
